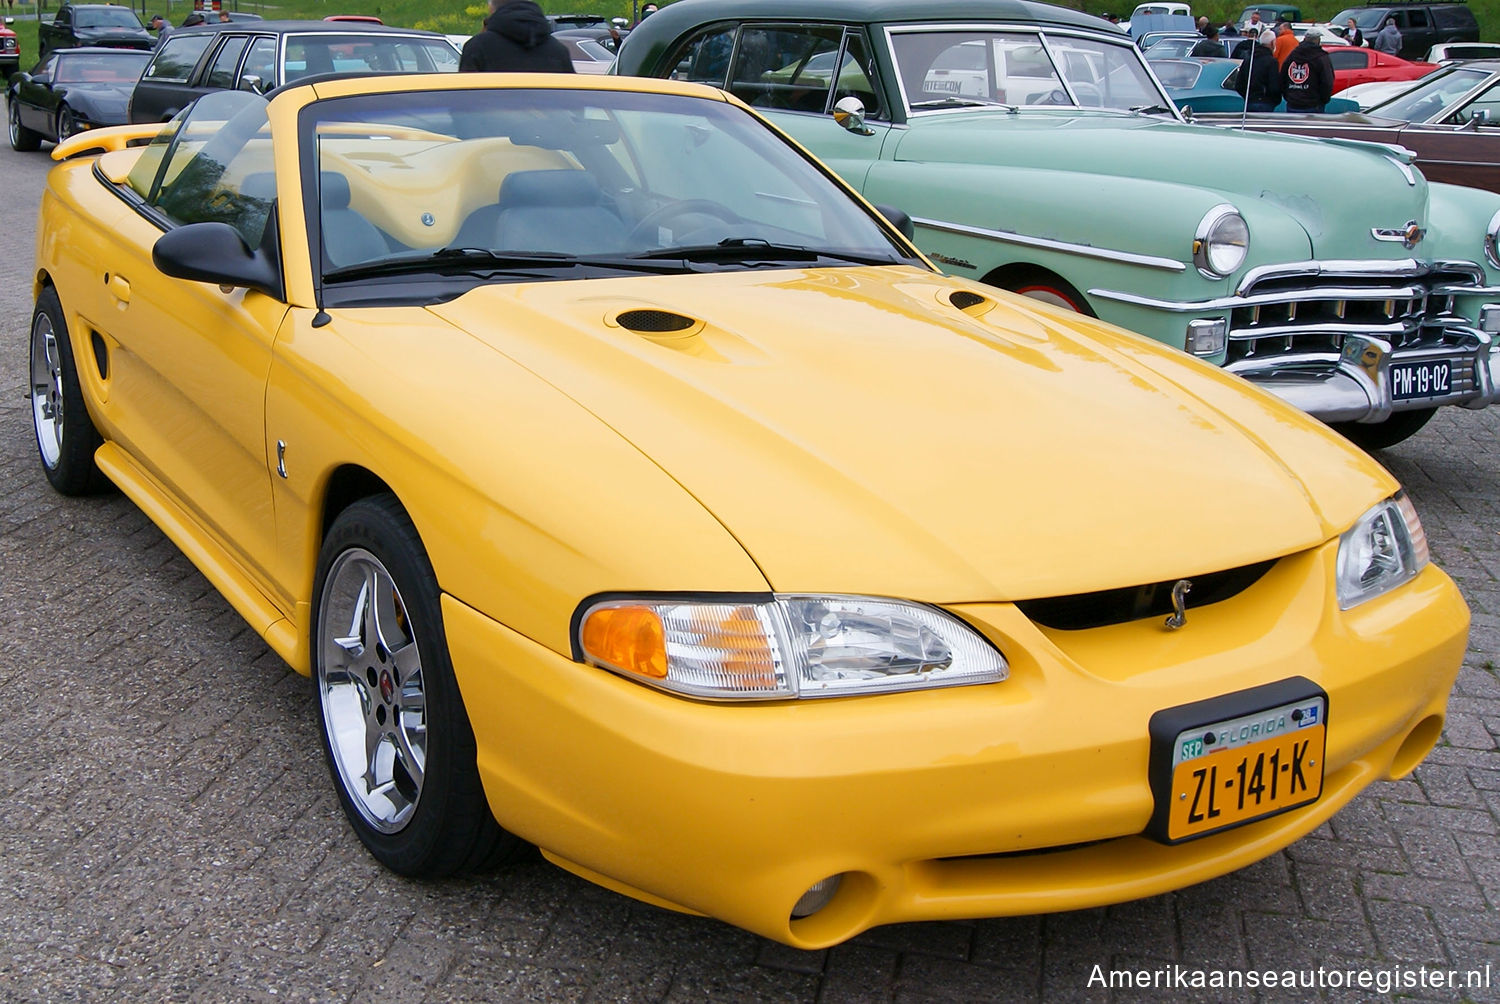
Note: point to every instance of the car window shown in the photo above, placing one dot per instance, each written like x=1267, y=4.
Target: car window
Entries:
x=774, y=66
x=98, y=68
x=857, y=77
x=1454, y=17
x=1437, y=93
x=45, y=67
x=307, y=55
x=107, y=17
x=213, y=163
x=221, y=74
x=704, y=58
x=1485, y=107
x=1408, y=19
x=1367, y=19
x=178, y=55
x=63, y=18
x=1177, y=73
x=1349, y=60
x=261, y=62
x=576, y=172
x=1103, y=75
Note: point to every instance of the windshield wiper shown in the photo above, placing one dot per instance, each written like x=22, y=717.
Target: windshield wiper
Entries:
x=749, y=249
x=953, y=102
x=483, y=262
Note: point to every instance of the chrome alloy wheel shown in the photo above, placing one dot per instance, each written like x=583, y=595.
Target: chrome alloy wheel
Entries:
x=46, y=390
x=371, y=690
x=13, y=117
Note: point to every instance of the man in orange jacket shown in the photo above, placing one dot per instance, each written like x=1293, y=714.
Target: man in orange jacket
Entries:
x=1285, y=42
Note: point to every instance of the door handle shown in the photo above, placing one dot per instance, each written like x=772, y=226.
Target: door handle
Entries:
x=119, y=287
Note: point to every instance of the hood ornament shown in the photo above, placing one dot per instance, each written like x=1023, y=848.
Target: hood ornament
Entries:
x=1409, y=236
x=1179, y=604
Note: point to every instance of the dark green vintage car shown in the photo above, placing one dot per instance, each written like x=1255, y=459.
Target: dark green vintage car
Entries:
x=1035, y=150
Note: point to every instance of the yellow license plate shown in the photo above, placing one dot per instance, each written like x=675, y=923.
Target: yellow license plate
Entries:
x=1238, y=784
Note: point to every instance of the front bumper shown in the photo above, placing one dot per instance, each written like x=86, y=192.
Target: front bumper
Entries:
x=1021, y=797
x=1339, y=339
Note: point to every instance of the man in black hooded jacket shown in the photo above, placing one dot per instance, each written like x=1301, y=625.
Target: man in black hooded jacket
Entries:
x=517, y=37
x=1307, y=75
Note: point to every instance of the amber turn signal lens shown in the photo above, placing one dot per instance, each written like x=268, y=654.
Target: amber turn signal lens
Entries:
x=627, y=638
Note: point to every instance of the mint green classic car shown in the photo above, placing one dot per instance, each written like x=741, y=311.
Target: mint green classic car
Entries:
x=1034, y=150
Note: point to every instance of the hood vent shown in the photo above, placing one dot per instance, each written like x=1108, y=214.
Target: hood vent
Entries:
x=1118, y=606
x=655, y=321
x=965, y=300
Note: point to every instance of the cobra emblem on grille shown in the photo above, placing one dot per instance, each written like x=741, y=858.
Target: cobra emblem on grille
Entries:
x=1179, y=604
x=1409, y=236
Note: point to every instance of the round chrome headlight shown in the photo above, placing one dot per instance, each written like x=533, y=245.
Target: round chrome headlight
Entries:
x=1492, y=241
x=1221, y=242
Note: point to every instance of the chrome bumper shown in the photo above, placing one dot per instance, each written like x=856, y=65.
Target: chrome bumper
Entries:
x=1355, y=384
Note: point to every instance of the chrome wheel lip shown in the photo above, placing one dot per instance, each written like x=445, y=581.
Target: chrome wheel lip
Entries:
x=13, y=115
x=371, y=690
x=46, y=390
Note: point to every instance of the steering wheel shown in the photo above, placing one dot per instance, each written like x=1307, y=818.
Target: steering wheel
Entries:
x=1089, y=96
x=682, y=207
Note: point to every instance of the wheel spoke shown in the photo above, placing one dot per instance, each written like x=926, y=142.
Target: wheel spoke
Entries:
x=412, y=760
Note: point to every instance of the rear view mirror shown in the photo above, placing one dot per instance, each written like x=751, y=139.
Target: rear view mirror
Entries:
x=849, y=112
x=899, y=219
x=216, y=253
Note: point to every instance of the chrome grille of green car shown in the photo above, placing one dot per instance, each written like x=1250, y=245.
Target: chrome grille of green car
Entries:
x=1309, y=315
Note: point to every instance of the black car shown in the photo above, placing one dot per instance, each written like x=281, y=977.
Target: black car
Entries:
x=80, y=24
x=260, y=55
x=1422, y=25
x=69, y=91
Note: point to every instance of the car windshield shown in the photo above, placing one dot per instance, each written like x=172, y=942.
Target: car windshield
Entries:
x=311, y=54
x=1365, y=18
x=949, y=68
x=561, y=183
x=1177, y=73
x=1170, y=48
x=106, y=17
x=122, y=67
x=1433, y=96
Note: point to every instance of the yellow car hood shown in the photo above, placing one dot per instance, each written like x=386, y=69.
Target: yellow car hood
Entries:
x=858, y=432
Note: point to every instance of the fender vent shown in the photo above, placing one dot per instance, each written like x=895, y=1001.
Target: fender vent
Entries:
x=655, y=321
x=963, y=299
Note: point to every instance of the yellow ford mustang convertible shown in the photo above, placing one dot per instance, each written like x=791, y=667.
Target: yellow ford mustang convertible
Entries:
x=627, y=486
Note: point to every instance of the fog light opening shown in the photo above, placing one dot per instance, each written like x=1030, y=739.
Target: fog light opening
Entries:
x=817, y=896
x=1415, y=747
x=1207, y=338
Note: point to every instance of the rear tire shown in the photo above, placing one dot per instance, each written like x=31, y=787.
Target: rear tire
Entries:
x=395, y=731
x=21, y=138
x=65, y=435
x=1379, y=435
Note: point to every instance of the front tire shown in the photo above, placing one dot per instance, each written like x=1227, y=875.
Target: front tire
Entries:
x=1378, y=435
x=21, y=138
x=67, y=123
x=65, y=435
x=395, y=731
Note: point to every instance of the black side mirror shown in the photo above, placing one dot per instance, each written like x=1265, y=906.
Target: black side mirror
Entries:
x=900, y=220
x=216, y=253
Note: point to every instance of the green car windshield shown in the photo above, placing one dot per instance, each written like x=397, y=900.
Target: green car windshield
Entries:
x=958, y=67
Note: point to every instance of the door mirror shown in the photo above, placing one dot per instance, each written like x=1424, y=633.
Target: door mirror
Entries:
x=216, y=253
x=899, y=219
x=849, y=112
x=250, y=82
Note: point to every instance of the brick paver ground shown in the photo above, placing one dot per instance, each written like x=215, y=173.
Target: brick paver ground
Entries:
x=168, y=832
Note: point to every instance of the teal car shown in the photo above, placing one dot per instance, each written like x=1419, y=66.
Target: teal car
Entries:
x=1035, y=150
x=1207, y=85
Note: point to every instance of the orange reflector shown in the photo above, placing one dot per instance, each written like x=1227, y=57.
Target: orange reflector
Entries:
x=628, y=638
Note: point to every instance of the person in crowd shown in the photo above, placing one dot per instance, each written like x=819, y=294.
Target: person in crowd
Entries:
x=1229, y=30
x=1285, y=41
x=1210, y=47
x=1254, y=25
x=224, y=17
x=516, y=36
x=1388, y=38
x=193, y=20
x=1260, y=75
x=646, y=12
x=1307, y=75
x=162, y=28
x=1202, y=24
x=1352, y=34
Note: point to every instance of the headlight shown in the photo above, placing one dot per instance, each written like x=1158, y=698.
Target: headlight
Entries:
x=1385, y=548
x=784, y=646
x=1492, y=241
x=1221, y=242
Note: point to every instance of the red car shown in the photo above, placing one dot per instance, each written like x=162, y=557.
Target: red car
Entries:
x=1353, y=65
x=10, y=50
